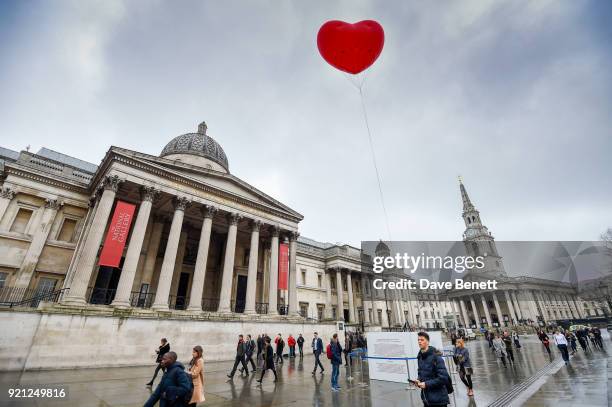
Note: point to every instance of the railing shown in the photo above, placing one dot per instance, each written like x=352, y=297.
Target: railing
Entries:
x=27, y=299
x=210, y=304
x=261, y=307
x=178, y=302
x=141, y=299
x=103, y=296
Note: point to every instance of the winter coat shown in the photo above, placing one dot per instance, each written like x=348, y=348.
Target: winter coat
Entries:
x=336, y=350
x=300, y=341
x=172, y=388
x=240, y=349
x=163, y=349
x=197, y=376
x=463, y=357
x=432, y=372
x=268, y=357
x=499, y=347
x=291, y=341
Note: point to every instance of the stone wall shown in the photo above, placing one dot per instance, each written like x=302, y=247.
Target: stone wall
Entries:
x=48, y=339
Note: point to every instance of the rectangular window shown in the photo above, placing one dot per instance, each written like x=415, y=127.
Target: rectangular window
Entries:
x=303, y=277
x=304, y=309
x=66, y=233
x=334, y=313
x=320, y=280
x=320, y=311
x=344, y=286
x=21, y=220
x=46, y=285
x=370, y=315
x=357, y=290
x=3, y=277
x=333, y=284
x=379, y=317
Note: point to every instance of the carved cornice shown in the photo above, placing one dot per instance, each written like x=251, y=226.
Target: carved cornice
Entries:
x=111, y=182
x=275, y=230
x=181, y=203
x=44, y=179
x=208, y=211
x=255, y=225
x=293, y=236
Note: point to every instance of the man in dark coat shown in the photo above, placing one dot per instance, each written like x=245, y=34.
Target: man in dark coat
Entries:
x=336, y=361
x=317, y=348
x=249, y=349
x=432, y=374
x=161, y=351
x=240, y=353
x=300, y=344
x=174, y=387
x=268, y=355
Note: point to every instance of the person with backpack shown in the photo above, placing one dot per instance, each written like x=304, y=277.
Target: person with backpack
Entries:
x=240, y=352
x=175, y=388
x=433, y=379
x=161, y=351
x=300, y=344
x=268, y=359
x=317, y=348
x=334, y=354
x=280, y=345
x=196, y=370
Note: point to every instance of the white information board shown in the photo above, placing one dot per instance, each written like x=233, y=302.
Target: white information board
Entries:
x=396, y=345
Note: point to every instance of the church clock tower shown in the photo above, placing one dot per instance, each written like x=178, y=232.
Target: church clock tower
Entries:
x=477, y=238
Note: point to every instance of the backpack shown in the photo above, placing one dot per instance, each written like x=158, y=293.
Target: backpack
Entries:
x=189, y=394
x=328, y=350
x=447, y=382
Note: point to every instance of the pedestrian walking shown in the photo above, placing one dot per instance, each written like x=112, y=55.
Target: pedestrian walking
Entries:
x=300, y=344
x=508, y=342
x=462, y=356
x=433, y=379
x=240, y=353
x=280, y=345
x=248, y=355
x=268, y=358
x=334, y=354
x=561, y=342
x=196, y=369
x=161, y=351
x=175, y=386
x=348, y=348
x=515, y=338
x=317, y=348
x=571, y=338
x=545, y=341
x=499, y=347
x=291, y=343
x=260, y=345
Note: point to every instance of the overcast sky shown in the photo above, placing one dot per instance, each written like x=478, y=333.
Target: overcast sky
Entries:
x=515, y=97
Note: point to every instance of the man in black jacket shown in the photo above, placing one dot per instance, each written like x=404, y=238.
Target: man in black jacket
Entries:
x=161, y=351
x=300, y=344
x=433, y=377
x=240, y=352
x=175, y=386
x=317, y=348
x=249, y=349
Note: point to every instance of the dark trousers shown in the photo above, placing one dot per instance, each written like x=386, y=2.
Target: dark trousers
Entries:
x=465, y=378
x=249, y=358
x=510, y=353
x=291, y=351
x=563, y=350
x=317, y=355
x=263, y=371
x=157, y=369
x=239, y=359
x=300, y=349
x=279, y=355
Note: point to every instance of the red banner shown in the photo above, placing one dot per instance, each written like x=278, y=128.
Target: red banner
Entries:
x=283, y=266
x=117, y=234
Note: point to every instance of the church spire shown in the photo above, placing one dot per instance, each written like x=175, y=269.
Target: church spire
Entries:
x=467, y=204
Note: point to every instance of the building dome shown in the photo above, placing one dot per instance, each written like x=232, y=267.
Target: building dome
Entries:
x=382, y=249
x=197, y=149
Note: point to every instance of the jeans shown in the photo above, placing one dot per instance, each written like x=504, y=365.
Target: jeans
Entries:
x=239, y=359
x=335, y=374
x=300, y=348
x=291, y=351
x=317, y=355
x=563, y=350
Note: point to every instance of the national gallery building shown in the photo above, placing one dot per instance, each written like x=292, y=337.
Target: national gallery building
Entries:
x=196, y=245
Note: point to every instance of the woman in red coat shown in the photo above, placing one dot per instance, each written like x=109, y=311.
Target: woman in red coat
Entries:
x=291, y=343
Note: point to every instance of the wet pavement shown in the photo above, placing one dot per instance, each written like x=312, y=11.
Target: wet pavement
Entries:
x=531, y=381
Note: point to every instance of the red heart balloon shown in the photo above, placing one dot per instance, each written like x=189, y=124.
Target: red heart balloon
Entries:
x=349, y=47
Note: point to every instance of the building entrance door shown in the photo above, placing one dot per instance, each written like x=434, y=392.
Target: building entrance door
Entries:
x=103, y=291
x=181, y=292
x=241, y=288
x=346, y=315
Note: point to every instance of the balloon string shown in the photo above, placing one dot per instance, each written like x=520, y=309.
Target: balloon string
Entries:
x=380, y=189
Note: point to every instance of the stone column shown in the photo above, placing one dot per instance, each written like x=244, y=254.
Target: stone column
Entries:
x=517, y=306
x=486, y=309
x=199, y=272
x=167, y=270
x=328, y=296
x=89, y=254
x=6, y=196
x=500, y=317
x=228, y=264
x=273, y=273
x=249, y=307
x=578, y=310
x=293, y=302
x=339, y=294
x=351, y=300
x=128, y=272
x=366, y=313
x=514, y=320
x=152, y=250
x=475, y=309
x=545, y=310
x=466, y=317
x=373, y=301
x=37, y=244
x=456, y=310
